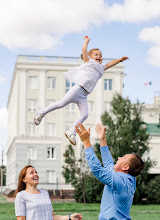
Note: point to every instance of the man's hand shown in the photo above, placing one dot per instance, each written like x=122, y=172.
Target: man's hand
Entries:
x=100, y=129
x=84, y=135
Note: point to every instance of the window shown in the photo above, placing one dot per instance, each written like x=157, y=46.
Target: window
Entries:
x=32, y=105
x=51, y=82
x=50, y=152
x=51, y=129
x=69, y=125
x=31, y=153
x=90, y=107
x=71, y=110
x=51, y=176
x=107, y=106
x=50, y=101
x=33, y=82
x=69, y=86
x=107, y=84
x=32, y=129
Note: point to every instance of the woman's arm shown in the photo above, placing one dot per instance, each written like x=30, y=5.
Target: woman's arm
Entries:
x=84, y=49
x=75, y=216
x=21, y=217
x=114, y=62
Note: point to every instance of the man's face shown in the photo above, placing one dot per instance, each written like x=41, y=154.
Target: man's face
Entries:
x=122, y=164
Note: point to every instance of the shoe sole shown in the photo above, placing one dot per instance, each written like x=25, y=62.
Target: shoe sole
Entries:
x=35, y=121
x=70, y=139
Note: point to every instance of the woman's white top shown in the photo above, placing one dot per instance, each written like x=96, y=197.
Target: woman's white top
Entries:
x=34, y=206
x=86, y=75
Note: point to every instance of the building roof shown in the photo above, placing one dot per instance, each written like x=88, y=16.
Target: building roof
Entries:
x=153, y=129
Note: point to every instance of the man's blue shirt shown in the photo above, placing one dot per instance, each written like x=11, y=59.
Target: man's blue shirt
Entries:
x=119, y=187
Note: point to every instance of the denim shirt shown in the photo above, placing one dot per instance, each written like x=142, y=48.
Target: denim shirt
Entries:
x=119, y=187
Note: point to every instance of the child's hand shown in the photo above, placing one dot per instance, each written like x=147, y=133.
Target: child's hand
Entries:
x=124, y=58
x=86, y=38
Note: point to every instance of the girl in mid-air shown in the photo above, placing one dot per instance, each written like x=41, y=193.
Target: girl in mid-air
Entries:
x=85, y=78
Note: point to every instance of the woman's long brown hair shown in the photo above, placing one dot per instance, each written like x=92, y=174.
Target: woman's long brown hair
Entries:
x=21, y=184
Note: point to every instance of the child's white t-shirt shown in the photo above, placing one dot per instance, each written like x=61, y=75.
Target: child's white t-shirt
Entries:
x=86, y=75
x=34, y=206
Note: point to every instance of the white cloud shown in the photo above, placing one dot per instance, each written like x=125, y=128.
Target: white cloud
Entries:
x=3, y=118
x=135, y=11
x=152, y=35
x=41, y=24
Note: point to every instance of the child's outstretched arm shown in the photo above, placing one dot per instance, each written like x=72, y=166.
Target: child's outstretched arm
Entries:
x=114, y=62
x=84, y=49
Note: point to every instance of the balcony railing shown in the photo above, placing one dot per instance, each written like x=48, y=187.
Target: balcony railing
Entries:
x=53, y=59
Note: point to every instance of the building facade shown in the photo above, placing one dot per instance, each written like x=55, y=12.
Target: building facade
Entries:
x=151, y=116
x=39, y=81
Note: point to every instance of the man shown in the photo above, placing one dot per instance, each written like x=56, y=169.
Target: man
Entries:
x=119, y=179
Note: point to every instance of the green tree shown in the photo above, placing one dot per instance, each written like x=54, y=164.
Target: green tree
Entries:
x=152, y=190
x=72, y=171
x=126, y=133
x=87, y=187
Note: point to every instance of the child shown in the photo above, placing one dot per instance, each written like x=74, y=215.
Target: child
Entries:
x=85, y=78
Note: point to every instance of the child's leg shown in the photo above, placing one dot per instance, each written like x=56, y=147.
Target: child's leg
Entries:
x=70, y=97
x=83, y=108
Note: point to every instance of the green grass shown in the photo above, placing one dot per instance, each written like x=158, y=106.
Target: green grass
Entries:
x=89, y=211
x=2, y=198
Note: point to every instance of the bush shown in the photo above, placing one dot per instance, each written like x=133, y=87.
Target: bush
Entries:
x=93, y=190
x=152, y=191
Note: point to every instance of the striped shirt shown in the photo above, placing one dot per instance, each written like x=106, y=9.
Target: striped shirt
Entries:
x=34, y=206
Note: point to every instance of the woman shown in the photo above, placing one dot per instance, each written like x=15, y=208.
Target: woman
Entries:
x=32, y=203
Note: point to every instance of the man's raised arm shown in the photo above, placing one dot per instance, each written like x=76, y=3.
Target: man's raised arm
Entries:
x=105, y=153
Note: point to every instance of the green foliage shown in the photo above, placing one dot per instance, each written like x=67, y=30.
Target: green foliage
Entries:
x=152, y=191
x=87, y=187
x=93, y=190
x=127, y=133
x=71, y=170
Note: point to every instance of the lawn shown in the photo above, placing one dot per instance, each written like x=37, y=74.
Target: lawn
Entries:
x=89, y=211
x=2, y=198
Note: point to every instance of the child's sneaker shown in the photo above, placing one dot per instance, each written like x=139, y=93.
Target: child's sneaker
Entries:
x=38, y=117
x=71, y=137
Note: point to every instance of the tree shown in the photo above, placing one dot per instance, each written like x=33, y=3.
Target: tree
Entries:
x=87, y=187
x=72, y=171
x=126, y=133
x=152, y=190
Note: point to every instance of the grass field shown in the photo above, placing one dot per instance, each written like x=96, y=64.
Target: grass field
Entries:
x=89, y=211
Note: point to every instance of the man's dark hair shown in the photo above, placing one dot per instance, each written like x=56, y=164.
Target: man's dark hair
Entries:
x=136, y=165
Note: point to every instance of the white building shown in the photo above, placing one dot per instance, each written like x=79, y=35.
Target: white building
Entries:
x=151, y=115
x=38, y=81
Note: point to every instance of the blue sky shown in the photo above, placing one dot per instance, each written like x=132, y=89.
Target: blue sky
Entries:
x=57, y=28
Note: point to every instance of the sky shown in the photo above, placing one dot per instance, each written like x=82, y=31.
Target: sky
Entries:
x=57, y=28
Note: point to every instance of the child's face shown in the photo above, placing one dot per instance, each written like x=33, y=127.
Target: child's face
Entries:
x=97, y=56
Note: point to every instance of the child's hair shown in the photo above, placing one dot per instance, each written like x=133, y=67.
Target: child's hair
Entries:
x=90, y=52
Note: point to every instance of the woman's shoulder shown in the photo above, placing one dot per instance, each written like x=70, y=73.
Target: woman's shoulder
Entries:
x=20, y=195
x=43, y=191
